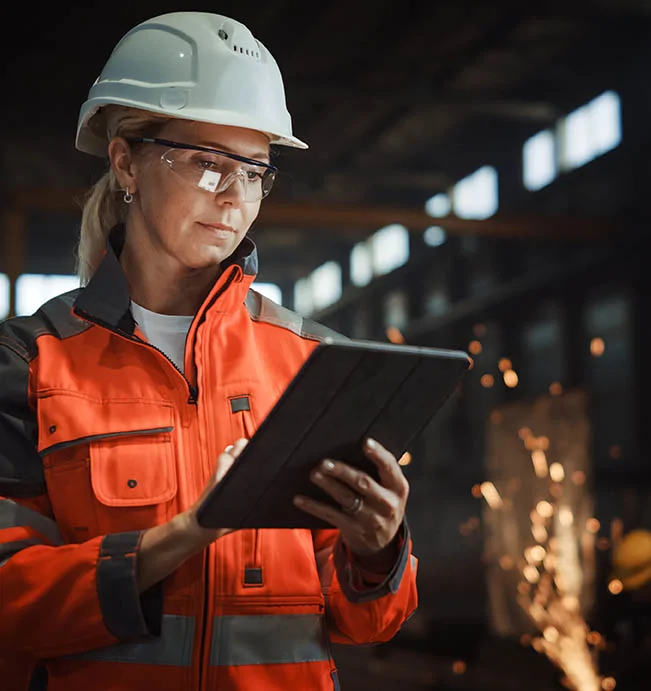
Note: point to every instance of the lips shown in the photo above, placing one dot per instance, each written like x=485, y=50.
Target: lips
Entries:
x=219, y=226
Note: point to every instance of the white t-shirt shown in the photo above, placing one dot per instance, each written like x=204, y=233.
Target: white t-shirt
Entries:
x=167, y=332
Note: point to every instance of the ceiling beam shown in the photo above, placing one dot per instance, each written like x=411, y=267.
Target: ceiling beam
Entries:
x=357, y=221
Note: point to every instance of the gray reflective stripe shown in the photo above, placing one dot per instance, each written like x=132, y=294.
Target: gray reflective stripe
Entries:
x=412, y=561
x=13, y=515
x=268, y=639
x=325, y=567
x=8, y=549
x=173, y=647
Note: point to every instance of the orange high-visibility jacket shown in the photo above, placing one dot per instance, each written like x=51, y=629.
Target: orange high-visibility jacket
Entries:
x=101, y=438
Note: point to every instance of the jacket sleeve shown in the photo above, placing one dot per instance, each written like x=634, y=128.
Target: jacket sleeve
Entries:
x=56, y=599
x=370, y=614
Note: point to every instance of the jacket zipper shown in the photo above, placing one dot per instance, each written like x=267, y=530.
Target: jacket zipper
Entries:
x=208, y=551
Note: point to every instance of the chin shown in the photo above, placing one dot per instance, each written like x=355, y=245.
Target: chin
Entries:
x=207, y=257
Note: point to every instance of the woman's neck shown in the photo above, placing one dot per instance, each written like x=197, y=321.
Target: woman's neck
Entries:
x=158, y=283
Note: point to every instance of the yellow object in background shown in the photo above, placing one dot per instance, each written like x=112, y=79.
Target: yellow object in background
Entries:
x=631, y=560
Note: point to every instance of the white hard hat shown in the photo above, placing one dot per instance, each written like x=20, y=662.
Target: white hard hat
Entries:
x=191, y=65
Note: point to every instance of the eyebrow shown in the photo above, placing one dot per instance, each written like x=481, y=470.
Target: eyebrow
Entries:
x=258, y=156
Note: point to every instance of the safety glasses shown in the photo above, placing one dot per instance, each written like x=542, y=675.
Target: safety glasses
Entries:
x=214, y=171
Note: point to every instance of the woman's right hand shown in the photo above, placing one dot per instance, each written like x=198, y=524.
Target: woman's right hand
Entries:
x=165, y=547
x=189, y=517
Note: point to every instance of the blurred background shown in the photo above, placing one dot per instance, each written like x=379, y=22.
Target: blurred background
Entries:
x=477, y=178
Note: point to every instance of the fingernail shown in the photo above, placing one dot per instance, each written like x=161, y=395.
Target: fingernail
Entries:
x=228, y=449
x=317, y=476
x=328, y=465
x=299, y=501
x=372, y=444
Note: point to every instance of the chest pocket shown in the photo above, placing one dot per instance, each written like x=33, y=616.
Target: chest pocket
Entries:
x=109, y=464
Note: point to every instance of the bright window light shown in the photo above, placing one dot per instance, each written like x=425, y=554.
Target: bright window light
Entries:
x=475, y=196
x=4, y=296
x=303, y=302
x=434, y=236
x=269, y=290
x=576, y=148
x=361, y=264
x=438, y=206
x=539, y=160
x=607, y=122
x=326, y=285
x=32, y=290
x=390, y=248
x=591, y=130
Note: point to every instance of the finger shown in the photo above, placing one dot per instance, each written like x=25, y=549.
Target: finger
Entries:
x=326, y=512
x=339, y=491
x=236, y=449
x=227, y=458
x=390, y=473
x=343, y=482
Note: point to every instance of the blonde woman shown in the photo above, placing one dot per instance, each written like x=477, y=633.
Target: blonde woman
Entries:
x=124, y=402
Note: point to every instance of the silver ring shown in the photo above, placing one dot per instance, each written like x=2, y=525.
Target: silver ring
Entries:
x=354, y=507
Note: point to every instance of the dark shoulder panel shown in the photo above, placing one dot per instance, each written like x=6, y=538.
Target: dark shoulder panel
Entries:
x=263, y=309
x=21, y=469
x=54, y=318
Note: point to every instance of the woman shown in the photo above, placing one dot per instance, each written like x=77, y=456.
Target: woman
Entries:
x=123, y=403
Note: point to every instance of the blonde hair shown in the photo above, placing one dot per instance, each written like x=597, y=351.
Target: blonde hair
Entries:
x=103, y=207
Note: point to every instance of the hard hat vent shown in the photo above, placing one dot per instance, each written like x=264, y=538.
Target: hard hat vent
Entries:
x=240, y=40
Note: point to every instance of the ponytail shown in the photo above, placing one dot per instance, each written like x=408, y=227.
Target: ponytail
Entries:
x=102, y=210
x=104, y=207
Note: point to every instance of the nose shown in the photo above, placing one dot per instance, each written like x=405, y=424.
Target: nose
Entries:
x=231, y=190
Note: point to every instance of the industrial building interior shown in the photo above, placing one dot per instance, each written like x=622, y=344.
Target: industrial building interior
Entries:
x=476, y=179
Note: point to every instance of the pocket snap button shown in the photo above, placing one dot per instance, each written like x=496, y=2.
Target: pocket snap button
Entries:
x=132, y=483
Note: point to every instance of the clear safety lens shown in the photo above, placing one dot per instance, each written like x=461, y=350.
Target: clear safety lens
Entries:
x=215, y=173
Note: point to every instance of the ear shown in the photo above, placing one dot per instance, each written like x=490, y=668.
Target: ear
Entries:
x=121, y=160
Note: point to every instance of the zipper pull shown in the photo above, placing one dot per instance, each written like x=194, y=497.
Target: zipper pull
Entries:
x=194, y=395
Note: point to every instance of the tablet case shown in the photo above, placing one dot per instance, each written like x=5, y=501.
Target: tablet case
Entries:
x=345, y=392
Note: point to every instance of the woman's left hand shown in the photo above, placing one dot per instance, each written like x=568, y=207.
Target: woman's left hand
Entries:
x=371, y=513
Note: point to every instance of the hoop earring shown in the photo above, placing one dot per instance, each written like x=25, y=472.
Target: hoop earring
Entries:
x=128, y=197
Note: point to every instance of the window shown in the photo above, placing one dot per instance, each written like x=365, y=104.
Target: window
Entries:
x=326, y=285
x=539, y=160
x=32, y=290
x=319, y=290
x=475, y=196
x=438, y=206
x=303, y=296
x=4, y=296
x=590, y=131
x=389, y=248
x=434, y=236
x=269, y=290
x=361, y=264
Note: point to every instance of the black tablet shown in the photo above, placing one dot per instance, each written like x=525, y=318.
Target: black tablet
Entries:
x=345, y=392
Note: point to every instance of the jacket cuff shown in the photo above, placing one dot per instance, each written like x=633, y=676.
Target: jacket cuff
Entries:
x=127, y=614
x=389, y=585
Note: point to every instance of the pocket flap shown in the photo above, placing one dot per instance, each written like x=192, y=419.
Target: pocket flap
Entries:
x=136, y=470
x=70, y=418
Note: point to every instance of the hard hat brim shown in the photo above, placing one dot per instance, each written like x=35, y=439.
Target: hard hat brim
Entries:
x=92, y=137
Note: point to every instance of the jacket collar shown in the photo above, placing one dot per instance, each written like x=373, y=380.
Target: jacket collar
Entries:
x=106, y=298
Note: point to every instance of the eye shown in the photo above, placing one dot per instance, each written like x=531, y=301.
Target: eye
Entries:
x=206, y=162
x=253, y=176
